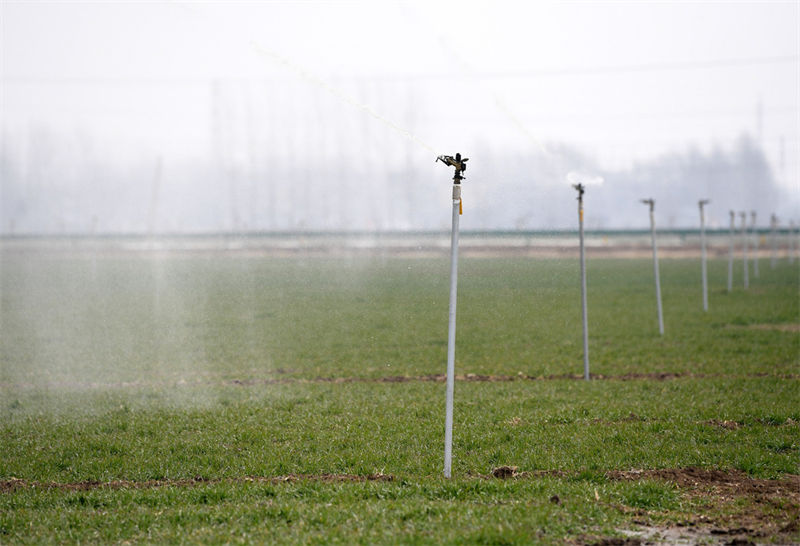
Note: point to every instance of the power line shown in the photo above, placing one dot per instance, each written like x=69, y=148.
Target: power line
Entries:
x=506, y=74
x=646, y=67
x=667, y=114
x=664, y=66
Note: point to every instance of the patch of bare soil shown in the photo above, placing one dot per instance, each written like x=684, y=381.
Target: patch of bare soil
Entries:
x=683, y=536
x=721, y=423
x=773, y=509
x=469, y=377
x=727, y=482
x=770, y=511
x=483, y=378
x=15, y=484
x=787, y=327
x=733, y=483
x=433, y=378
x=628, y=541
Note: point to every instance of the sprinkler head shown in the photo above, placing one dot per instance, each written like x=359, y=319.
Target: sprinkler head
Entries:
x=457, y=162
x=650, y=202
x=580, y=189
x=703, y=202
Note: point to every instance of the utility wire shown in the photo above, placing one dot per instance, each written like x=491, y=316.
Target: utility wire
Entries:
x=646, y=67
x=472, y=75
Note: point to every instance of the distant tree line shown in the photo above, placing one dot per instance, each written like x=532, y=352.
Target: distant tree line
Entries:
x=69, y=184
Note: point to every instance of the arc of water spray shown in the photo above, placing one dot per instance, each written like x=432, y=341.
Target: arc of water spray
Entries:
x=501, y=104
x=514, y=119
x=338, y=93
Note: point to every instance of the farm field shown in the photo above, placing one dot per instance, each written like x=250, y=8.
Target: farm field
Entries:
x=248, y=398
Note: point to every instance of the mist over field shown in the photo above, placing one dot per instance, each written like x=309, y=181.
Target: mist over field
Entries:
x=49, y=187
x=263, y=117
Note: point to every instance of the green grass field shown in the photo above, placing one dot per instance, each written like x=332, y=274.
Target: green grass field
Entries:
x=255, y=399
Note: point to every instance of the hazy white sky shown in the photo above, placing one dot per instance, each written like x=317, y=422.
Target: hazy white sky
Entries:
x=624, y=80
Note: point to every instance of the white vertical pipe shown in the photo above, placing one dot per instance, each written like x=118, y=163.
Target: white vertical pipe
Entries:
x=583, y=290
x=730, y=253
x=792, y=241
x=773, y=223
x=796, y=242
x=655, y=265
x=451, y=335
x=755, y=242
x=703, y=255
x=743, y=215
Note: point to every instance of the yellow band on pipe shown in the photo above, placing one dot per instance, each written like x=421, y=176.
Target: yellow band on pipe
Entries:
x=581, y=215
x=460, y=206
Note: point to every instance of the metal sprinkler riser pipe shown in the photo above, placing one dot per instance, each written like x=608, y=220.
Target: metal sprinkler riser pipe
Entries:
x=745, y=268
x=651, y=202
x=730, y=250
x=773, y=222
x=460, y=166
x=584, y=316
x=702, y=203
x=754, y=232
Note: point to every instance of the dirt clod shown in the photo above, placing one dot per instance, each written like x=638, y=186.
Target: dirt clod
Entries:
x=504, y=472
x=726, y=424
